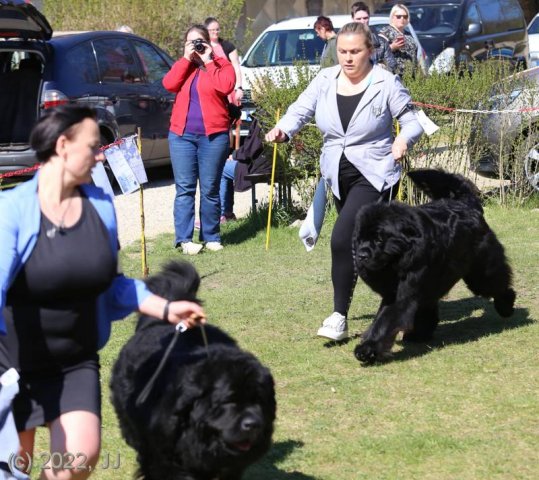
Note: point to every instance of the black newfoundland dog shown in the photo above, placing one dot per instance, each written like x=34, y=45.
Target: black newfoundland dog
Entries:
x=210, y=412
x=413, y=256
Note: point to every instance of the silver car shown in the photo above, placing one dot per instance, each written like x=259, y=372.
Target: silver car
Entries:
x=506, y=143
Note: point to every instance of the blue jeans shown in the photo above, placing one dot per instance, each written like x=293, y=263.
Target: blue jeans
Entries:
x=197, y=157
x=227, y=187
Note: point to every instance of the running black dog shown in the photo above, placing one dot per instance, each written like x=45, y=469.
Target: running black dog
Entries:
x=413, y=256
x=210, y=412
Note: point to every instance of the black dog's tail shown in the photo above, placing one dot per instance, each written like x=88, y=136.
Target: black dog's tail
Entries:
x=438, y=184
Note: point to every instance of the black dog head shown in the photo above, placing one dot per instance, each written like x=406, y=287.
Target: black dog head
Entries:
x=220, y=411
x=384, y=237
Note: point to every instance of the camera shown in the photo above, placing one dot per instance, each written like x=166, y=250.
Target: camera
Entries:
x=199, y=45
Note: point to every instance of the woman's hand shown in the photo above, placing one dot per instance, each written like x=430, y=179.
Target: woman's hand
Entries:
x=397, y=44
x=276, y=135
x=399, y=148
x=207, y=55
x=238, y=95
x=189, y=51
x=189, y=313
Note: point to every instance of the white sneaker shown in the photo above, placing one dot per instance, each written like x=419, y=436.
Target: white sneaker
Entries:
x=214, y=246
x=191, y=248
x=334, y=327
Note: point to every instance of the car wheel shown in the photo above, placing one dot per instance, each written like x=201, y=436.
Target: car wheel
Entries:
x=105, y=140
x=531, y=167
x=523, y=167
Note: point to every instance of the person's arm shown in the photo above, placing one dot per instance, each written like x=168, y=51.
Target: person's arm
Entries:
x=400, y=104
x=8, y=240
x=189, y=313
x=387, y=56
x=223, y=76
x=238, y=87
x=178, y=74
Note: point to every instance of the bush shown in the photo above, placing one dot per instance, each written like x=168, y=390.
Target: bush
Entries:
x=164, y=22
x=438, y=95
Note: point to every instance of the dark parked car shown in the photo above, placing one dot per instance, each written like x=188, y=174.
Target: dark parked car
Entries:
x=455, y=32
x=119, y=74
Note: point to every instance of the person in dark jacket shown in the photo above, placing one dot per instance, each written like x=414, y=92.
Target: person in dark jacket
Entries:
x=382, y=53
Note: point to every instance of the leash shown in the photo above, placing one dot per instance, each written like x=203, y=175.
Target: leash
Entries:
x=178, y=329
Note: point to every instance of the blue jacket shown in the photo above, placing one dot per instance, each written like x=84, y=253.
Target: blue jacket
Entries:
x=368, y=139
x=20, y=217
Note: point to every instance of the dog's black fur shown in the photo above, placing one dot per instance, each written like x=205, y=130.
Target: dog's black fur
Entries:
x=413, y=256
x=210, y=413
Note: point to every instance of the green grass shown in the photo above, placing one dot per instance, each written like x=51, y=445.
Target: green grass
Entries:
x=465, y=406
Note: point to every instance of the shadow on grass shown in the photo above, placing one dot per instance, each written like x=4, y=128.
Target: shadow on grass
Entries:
x=457, y=327
x=266, y=469
x=248, y=227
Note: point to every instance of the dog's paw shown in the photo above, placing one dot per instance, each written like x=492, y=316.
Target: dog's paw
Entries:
x=366, y=352
x=504, y=304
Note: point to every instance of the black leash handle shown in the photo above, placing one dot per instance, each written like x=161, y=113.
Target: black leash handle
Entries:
x=180, y=328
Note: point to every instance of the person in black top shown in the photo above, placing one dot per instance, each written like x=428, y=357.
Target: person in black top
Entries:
x=59, y=274
x=224, y=48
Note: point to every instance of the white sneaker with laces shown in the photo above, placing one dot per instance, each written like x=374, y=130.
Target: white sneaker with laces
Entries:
x=191, y=248
x=334, y=327
x=214, y=246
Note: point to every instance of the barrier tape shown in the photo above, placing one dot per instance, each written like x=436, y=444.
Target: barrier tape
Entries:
x=484, y=112
x=22, y=171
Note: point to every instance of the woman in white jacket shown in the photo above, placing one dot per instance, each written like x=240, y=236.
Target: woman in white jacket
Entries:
x=354, y=104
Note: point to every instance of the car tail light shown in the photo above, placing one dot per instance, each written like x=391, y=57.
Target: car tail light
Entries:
x=53, y=98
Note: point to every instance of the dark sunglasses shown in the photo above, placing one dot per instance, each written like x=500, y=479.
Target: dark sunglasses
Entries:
x=401, y=16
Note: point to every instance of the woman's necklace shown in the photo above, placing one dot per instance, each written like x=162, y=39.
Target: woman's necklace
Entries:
x=60, y=226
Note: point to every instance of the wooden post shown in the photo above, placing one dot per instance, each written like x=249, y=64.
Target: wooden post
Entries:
x=145, y=269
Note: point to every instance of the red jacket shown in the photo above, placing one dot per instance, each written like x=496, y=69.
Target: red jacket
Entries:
x=214, y=84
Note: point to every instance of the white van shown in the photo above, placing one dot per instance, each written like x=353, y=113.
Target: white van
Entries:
x=289, y=41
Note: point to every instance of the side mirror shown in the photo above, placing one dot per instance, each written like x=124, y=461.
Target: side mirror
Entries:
x=473, y=29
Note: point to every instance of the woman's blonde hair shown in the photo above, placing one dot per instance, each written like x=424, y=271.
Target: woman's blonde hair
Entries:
x=399, y=6
x=357, y=28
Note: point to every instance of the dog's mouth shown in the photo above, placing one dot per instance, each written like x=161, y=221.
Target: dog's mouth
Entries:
x=244, y=446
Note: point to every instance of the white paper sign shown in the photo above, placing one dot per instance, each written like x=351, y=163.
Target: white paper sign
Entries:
x=101, y=179
x=429, y=127
x=131, y=153
x=122, y=171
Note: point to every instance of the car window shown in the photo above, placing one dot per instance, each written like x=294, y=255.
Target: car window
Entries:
x=434, y=19
x=286, y=47
x=472, y=16
x=153, y=65
x=81, y=64
x=534, y=26
x=116, y=62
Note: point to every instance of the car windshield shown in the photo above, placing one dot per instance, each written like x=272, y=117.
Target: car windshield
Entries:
x=284, y=47
x=534, y=26
x=434, y=20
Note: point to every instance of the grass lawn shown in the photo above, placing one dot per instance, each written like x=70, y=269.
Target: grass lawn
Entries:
x=465, y=406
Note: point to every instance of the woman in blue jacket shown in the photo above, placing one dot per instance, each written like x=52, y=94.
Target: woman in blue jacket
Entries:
x=60, y=290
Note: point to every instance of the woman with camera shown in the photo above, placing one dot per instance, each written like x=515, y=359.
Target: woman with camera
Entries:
x=198, y=137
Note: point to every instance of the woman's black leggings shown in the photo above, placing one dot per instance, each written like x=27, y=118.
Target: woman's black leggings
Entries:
x=355, y=191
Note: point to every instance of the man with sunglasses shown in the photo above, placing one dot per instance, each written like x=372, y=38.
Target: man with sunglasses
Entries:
x=382, y=54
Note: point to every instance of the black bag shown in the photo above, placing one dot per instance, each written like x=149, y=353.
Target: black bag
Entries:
x=234, y=113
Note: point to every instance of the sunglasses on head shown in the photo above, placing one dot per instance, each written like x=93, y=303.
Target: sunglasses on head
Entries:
x=401, y=16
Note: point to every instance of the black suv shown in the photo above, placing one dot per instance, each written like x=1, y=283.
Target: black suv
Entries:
x=455, y=32
x=116, y=73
